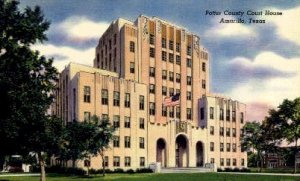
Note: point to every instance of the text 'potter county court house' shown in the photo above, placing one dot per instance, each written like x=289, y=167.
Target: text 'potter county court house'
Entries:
x=151, y=79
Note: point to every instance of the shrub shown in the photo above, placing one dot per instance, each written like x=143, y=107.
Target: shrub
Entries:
x=228, y=169
x=220, y=170
x=245, y=170
x=15, y=170
x=130, y=171
x=118, y=170
x=63, y=170
x=144, y=170
x=236, y=169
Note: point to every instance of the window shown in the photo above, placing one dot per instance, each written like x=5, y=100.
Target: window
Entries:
x=222, y=161
x=171, y=57
x=152, y=39
x=228, y=132
x=142, y=161
x=177, y=112
x=115, y=39
x=104, y=95
x=116, y=121
x=189, y=50
x=178, y=59
x=116, y=161
x=127, y=100
x=212, y=130
x=211, y=113
x=105, y=116
x=116, y=141
x=171, y=76
x=106, y=161
x=164, y=56
x=164, y=90
x=201, y=113
x=152, y=108
x=203, y=84
x=234, y=147
x=189, y=62
x=227, y=115
x=164, y=74
x=152, y=72
x=228, y=162
x=109, y=44
x=116, y=98
x=142, y=123
x=132, y=46
x=171, y=45
x=87, y=163
x=203, y=66
x=163, y=43
x=177, y=47
x=127, y=141
x=177, y=91
x=228, y=147
x=142, y=102
x=152, y=52
x=152, y=88
x=242, y=162
x=127, y=122
x=171, y=91
x=87, y=94
x=142, y=142
x=233, y=116
x=164, y=111
x=221, y=114
x=221, y=147
x=87, y=116
x=178, y=78
x=233, y=132
x=132, y=67
x=242, y=117
x=188, y=113
x=188, y=95
x=221, y=131
x=189, y=80
x=171, y=112
x=212, y=160
x=212, y=146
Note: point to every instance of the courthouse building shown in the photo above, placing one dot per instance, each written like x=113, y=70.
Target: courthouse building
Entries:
x=137, y=67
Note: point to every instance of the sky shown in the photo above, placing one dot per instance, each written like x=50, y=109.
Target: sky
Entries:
x=257, y=64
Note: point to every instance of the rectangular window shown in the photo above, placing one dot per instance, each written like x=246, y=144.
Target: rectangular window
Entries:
x=178, y=78
x=116, y=161
x=152, y=108
x=152, y=39
x=152, y=88
x=178, y=59
x=152, y=52
x=234, y=147
x=212, y=146
x=177, y=47
x=142, y=102
x=228, y=162
x=116, y=98
x=106, y=161
x=171, y=76
x=127, y=100
x=227, y=132
x=177, y=112
x=116, y=121
x=188, y=95
x=164, y=90
x=163, y=43
x=228, y=147
x=164, y=111
x=234, y=162
x=189, y=62
x=152, y=72
x=104, y=97
x=242, y=162
x=116, y=141
x=142, y=143
x=164, y=56
x=212, y=130
x=171, y=91
x=189, y=80
x=164, y=74
x=109, y=44
x=233, y=132
x=222, y=161
x=127, y=161
x=242, y=117
x=127, y=142
x=142, y=161
x=227, y=115
x=142, y=123
x=221, y=147
x=127, y=122
x=115, y=39
x=203, y=84
x=202, y=113
x=211, y=113
x=104, y=116
x=132, y=67
x=233, y=116
x=188, y=113
x=203, y=66
x=221, y=131
x=132, y=46
x=221, y=114
x=87, y=116
x=212, y=160
x=189, y=50
x=87, y=94
x=171, y=112
x=177, y=91
x=171, y=44
x=171, y=57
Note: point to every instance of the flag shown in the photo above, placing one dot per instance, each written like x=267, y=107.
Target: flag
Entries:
x=172, y=101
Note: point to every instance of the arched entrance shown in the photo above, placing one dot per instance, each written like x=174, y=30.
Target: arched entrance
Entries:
x=181, y=151
x=161, y=152
x=199, y=154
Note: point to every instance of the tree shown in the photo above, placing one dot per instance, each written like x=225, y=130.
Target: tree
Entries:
x=27, y=81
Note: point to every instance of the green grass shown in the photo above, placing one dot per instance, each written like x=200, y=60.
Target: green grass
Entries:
x=163, y=177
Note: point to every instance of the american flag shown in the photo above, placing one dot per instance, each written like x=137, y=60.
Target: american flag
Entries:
x=172, y=101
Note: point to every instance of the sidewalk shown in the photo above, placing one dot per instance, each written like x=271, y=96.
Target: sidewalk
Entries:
x=255, y=173
x=19, y=175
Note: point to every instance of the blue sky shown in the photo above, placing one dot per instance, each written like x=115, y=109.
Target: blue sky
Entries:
x=258, y=64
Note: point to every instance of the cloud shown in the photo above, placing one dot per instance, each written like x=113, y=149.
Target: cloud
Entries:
x=288, y=24
x=63, y=55
x=78, y=29
x=269, y=91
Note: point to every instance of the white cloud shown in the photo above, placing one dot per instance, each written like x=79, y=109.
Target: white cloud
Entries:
x=64, y=55
x=79, y=28
x=270, y=91
x=287, y=24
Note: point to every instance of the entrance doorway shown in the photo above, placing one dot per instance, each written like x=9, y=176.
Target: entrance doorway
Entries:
x=199, y=154
x=181, y=151
x=161, y=152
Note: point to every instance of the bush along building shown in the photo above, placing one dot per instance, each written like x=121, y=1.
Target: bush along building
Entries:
x=151, y=79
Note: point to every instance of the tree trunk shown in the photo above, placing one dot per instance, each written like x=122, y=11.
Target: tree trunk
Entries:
x=103, y=165
x=261, y=163
x=42, y=166
x=73, y=163
x=296, y=151
x=257, y=161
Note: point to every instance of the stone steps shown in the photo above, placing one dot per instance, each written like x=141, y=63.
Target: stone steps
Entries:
x=186, y=170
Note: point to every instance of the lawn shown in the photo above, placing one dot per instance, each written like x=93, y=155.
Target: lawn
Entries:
x=163, y=177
